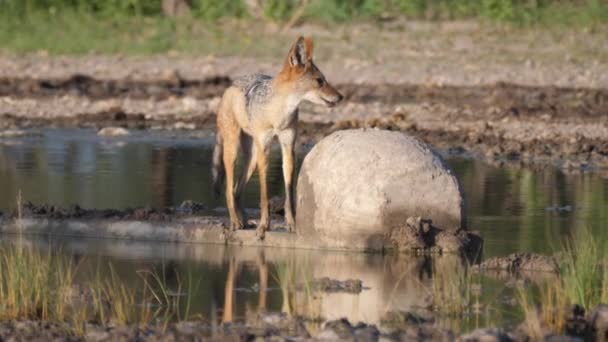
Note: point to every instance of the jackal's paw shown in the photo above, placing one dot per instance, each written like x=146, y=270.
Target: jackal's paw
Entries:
x=236, y=225
x=290, y=222
x=291, y=227
x=260, y=232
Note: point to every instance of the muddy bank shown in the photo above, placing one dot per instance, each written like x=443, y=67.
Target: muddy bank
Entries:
x=502, y=123
x=193, y=223
x=574, y=147
x=504, y=99
x=171, y=85
x=187, y=208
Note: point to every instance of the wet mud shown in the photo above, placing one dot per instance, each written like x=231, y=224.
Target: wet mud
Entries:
x=396, y=326
x=327, y=284
x=501, y=122
x=194, y=222
x=572, y=154
x=506, y=99
x=83, y=85
x=522, y=262
x=46, y=211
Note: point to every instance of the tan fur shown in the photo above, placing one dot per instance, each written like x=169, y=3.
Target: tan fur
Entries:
x=250, y=118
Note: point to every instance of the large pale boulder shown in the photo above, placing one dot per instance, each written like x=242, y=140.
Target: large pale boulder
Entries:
x=357, y=188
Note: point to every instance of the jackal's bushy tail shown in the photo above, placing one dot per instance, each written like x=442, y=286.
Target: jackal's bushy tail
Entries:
x=217, y=170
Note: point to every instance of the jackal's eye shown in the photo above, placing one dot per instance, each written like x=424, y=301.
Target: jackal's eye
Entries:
x=320, y=82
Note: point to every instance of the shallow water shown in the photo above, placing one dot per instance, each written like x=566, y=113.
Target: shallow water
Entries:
x=514, y=209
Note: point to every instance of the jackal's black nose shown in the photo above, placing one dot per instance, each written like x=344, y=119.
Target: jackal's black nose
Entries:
x=340, y=98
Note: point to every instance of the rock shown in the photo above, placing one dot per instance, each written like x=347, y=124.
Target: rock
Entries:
x=18, y=133
x=405, y=318
x=189, y=206
x=598, y=322
x=113, y=132
x=517, y=262
x=413, y=326
x=576, y=322
x=96, y=333
x=486, y=335
x=365, y=332
x=183, y=126
x=273, y=323
x=342, y=330
x=355, y=186
x=277, y=205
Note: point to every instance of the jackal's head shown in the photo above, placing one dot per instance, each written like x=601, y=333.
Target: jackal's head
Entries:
x=301, y=76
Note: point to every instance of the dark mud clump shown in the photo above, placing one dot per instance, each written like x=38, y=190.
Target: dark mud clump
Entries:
x=31, y=210
x=83, y=85
x=326, y=284
x=414, y=326
x=343, y=330
x=112, y=117
x=421, y=236
x=507, y=98
x=518, y=262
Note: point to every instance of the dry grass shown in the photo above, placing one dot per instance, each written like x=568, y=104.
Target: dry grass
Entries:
x=549, y=314
x=40, y=286
x=583, y=280
x=455, y=292
x=34, y=285
x=300, y=297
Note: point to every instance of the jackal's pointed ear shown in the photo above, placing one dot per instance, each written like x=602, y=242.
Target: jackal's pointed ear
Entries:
x=301, y=52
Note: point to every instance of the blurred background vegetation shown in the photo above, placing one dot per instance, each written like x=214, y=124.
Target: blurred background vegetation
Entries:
x=76, y=26
x=513, y=11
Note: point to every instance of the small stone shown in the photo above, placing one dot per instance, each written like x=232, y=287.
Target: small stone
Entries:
x=96, y=333
x=326, y=284
x=364, y=332
x=17, y=133
x=485, y=335
x=113, y=132
x=336, y=330
x=184, y=126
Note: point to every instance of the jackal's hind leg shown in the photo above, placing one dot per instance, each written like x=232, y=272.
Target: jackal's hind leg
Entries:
x=231, y=146
x=249, y=165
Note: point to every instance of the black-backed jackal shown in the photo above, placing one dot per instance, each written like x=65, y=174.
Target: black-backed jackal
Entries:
x=254, y=110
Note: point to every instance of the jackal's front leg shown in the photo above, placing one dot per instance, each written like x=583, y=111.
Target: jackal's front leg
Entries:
x=287, y=140
x=262, y=160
